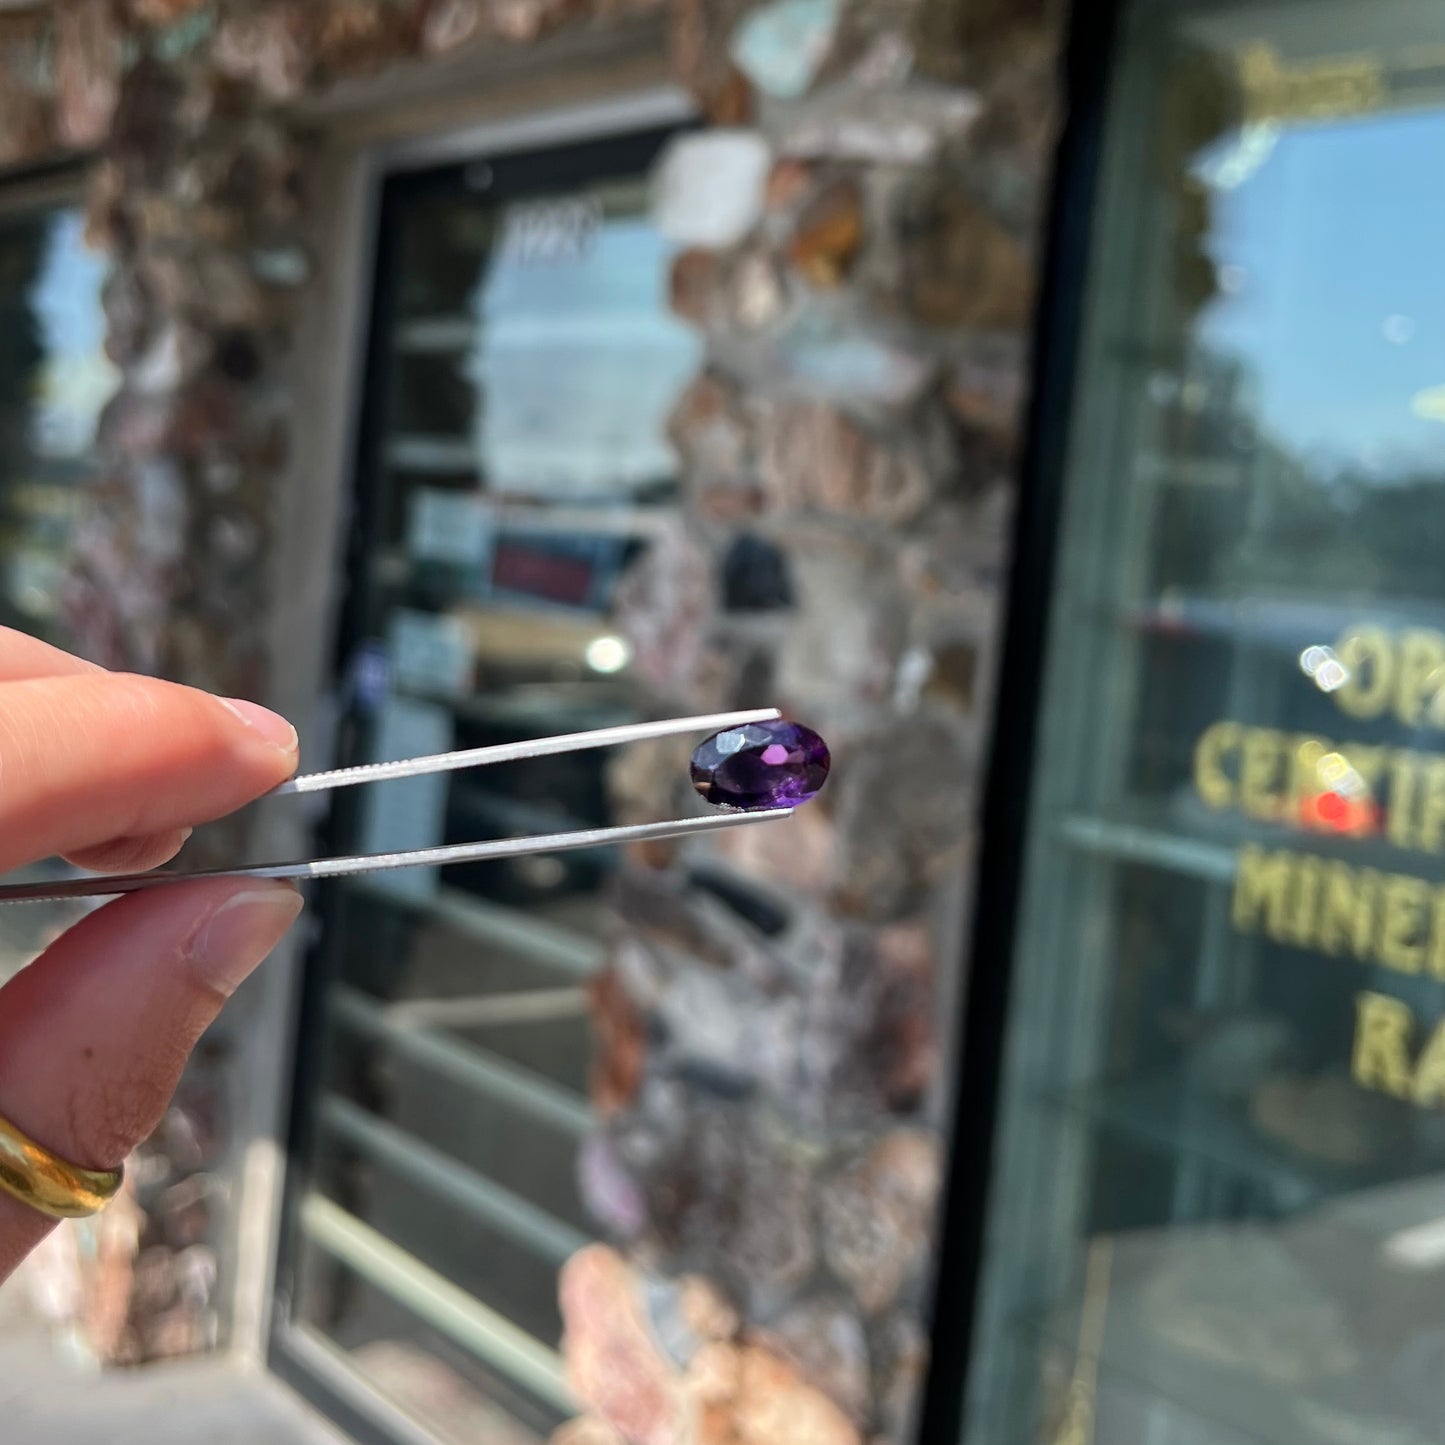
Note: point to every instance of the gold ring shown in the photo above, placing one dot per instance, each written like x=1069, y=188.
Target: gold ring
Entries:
x=33, y=1175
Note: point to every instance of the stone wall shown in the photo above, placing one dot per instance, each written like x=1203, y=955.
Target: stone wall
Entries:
x=857, y=241
x=856, y=236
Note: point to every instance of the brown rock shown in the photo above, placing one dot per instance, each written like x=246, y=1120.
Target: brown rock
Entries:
x=649, y=780
x=710, y=429
x=958, y=553
x=953, y=674
x=757, y=290
x=184, y=1211
x=970, y=44
x=813, y=457
x=132, y=425
x=108, y=1275
x=614, y=1366
x=270, y=45
x=144, y=130
x=664, y=910
x=985, y=393
x=823, y=1339
x=162, y=12
x=609, y=1190
x=904, y=815
x=1011, y=144
x=773, y=1403
x=788, y=182
x=727, y=501
x=692, y=284
x=735, y=1204
x=619, y=1035
x=828, y=234
x=129, y=317
x=798, y=858
x=353, y=37
x=449, y=25
x=104, y=207
x=175, y=1333
x=839, y=654
x=733, y=103
x=664, y=606
x=87, y=71
x=24, y=116
x=706, y=1311
x=586, y=1430
x=525, y=20
x=902, y=1045
x=877, y=1217
x=901, y=1354
x=959, y=266
x=699, y=44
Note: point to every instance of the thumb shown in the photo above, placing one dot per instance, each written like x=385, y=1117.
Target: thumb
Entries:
x=94, y=1034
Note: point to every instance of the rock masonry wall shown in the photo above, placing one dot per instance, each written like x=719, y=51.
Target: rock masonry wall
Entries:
x=857, y=230
x=857, y=241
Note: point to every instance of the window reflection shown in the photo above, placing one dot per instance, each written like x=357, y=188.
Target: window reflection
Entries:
x=1226, y=1068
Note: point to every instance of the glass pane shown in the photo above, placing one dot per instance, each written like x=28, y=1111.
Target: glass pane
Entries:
x=1217, y=1210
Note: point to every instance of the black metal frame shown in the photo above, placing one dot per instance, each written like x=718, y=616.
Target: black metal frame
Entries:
x=988, y=963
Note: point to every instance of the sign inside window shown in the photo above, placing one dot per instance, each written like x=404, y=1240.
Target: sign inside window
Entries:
x=578, y=357
x=1357, y=789
x=551, y=232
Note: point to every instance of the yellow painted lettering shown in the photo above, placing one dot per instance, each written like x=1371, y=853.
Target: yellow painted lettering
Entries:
x=1437, y=934
x=1428, y=1090
x=1431, y=833
x=1369, y=660
x=1399, y=820
x=1260, y=756
x=1261, y=891
x=1211, y=781
x=1420, y=675
x=1401, y=943
x=1348, y=911
x=1380, y=1058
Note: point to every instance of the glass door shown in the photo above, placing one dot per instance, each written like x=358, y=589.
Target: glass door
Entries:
x=513, y=462
x=1218, y=1204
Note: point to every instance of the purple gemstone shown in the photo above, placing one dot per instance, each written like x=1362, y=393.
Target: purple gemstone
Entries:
x=761, y=765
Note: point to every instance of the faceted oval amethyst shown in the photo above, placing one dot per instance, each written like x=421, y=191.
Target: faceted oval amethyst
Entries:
x=761, y=765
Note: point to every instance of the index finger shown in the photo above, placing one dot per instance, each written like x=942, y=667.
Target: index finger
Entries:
x=87, y=758
x=23, y=656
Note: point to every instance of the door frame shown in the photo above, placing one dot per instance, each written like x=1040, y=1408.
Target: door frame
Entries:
x=589, y=95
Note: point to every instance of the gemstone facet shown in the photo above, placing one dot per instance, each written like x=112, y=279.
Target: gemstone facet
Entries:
x=760, y=765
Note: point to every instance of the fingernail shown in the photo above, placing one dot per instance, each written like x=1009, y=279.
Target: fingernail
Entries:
x=272, y=726
x=241, y=932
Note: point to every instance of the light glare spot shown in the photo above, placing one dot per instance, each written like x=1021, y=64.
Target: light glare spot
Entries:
x=608, y=654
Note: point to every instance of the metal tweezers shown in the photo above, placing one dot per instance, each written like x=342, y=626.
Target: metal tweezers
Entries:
x=107, y=886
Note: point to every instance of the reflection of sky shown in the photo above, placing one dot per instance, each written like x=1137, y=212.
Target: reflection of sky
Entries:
x=76, y=380
x=580, y=363
x=1339, y=241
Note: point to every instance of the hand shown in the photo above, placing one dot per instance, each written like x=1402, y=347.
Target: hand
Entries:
x=111, y=772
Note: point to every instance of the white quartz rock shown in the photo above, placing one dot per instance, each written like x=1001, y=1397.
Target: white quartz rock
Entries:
x=707, y=189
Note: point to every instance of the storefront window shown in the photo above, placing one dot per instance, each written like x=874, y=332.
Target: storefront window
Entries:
x=1217, y=1213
